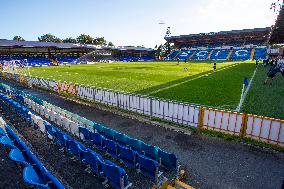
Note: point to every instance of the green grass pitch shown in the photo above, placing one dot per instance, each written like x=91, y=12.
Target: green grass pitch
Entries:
x=188, y=82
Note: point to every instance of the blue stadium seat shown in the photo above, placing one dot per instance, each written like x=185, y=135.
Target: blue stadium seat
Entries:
x=127, y=155
x=50, y=130
x=31, y=177
x=93, y=159
x=2, y=132
x=134, y=144
x=7, y=142
x=167, y=159
x=75, y=148
x=111, y=147
x=61, y=138
x=148, y=167
x=85, y=132
x=16, y=155
x=99, y=128
x=109, y=133
x=98, y=140
x=121, y=138
x=150, y=151
x=115, y=175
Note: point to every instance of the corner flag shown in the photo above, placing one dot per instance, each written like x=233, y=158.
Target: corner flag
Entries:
x=246, y=81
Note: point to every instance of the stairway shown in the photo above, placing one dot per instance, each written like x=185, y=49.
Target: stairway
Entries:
x=176, y=55
x=54, y=62
x=252, y=53
x=208, y=57
x=192, y=55
x=229, y=55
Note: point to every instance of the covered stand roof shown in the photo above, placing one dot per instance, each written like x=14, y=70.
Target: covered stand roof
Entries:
x=277, y=33
x=222, y=35
x=14, y=43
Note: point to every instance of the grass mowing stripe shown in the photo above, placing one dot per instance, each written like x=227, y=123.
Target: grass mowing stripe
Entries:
x=193, y=78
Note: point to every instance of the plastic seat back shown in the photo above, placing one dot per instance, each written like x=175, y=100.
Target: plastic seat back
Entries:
x=31, y=177
x=150, y=151
x=134, y=144
x=115, y=174
x=111, y=147
x=97, y=140
x=167, y=159
x=93, y=159
x=148, y=167
x=16, y=155
x=85, y=133
x=127, y=155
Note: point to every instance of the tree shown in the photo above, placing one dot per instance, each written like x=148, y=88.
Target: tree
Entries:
x=49, y=38
x=69, y=40
x=18, y=38
x=110, y=44
x=85, y=39
x=100, y=41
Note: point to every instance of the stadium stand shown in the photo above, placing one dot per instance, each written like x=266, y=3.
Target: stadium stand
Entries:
x=241, y=54
x=134, y=153
x=48, y=53
x=24, y=60
x=66, y=58
x=34, y=172
x=103, y=168
x=259, y=54
x=219, y=54
x=246, y=44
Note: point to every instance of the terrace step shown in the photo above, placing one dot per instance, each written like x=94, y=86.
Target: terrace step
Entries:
x=252, y=53
x=229, y=55
x=208, y=57
x=192, y=55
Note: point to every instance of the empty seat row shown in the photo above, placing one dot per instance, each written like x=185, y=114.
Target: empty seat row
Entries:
x=34, y=172
x=59, y=116
x=169, y=160
x=116, y=149
x=112, y=172
x=128, y=155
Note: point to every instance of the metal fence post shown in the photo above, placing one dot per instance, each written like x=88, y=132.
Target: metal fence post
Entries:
x=244, y=126
x=201, y=117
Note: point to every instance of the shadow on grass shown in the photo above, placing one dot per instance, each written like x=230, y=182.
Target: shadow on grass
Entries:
x=157, y=88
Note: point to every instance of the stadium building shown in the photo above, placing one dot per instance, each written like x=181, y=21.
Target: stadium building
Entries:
x=225, y=45
x=36, y=53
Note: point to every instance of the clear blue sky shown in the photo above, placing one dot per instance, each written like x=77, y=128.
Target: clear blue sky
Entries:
x=129, y=22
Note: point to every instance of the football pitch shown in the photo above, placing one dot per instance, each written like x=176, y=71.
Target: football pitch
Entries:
x=188, y=82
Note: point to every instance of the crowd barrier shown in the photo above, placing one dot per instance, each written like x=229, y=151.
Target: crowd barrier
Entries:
x=242, y=125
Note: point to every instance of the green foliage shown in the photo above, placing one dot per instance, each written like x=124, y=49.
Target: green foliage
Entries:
x=99, y=41
x=267, y=100
x=49, y=38
x=18, y=38
x=85, y=39
x=110, y=44
x=69, y=40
